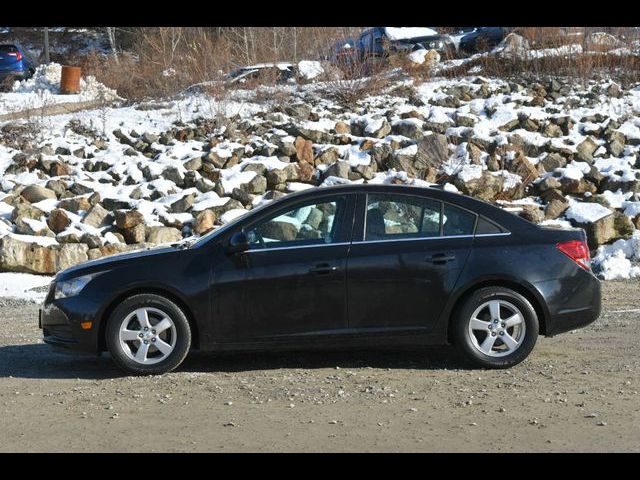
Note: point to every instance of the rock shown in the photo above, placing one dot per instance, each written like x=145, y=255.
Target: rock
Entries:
x=366, y=171
x=599, y=232
x=339, y=169
x=486, y=187
x=570, y=186
x=92, y=241
x=128, y=218
x=97, y=217
x=410, y=128
x=532, y=213
x=214, y=159
x=36, y=193
x=304, y=150
x=75, y=205
x=616, y=144
x=342, y=128
x=183, y=205
x=585, y=149
x=553, y=130
x=205, y=221
x=315, y=136
x=163, y=235
x=194, y=164
x=276, y=177
x=58, y=220
x=520, y=165
x=378, y=128
x=623, y=225
x=555, y=207
x=298, y=110
x=328, y=156
x=257, y=185
x=552, y=161
x=113, y=204
x=19, y=256
x=465, y=120
x=510, y=125
x=149, y=138
x=433, y=151
x=26, y=226
x=134, y=233
x=174, y=175
x=59, y=169
x=25, y=210
x=58, y=186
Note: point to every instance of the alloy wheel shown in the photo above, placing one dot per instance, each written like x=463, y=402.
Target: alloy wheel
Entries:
x=497, y=328
x=147, y=335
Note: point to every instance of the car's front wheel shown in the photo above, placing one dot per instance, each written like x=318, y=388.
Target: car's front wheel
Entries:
x=495, y=327
x=148, y=335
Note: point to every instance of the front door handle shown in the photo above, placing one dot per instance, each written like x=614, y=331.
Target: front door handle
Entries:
x=323, y=268
x=440, y=258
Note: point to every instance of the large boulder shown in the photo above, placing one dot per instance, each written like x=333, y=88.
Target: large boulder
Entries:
x=485, y=186
x=36, y=193
x=58, y=220
x=128, y=218
x=433, y=151
x=163, y=235
x=97, y=216
x=205, y=221
x=20, y=256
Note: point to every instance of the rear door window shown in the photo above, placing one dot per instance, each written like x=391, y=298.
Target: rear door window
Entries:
x=392, y=217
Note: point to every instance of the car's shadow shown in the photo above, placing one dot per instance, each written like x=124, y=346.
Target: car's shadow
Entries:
x=41, y=361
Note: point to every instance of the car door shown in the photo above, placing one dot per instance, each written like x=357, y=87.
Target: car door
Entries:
x=291, y=282
x=406, y=256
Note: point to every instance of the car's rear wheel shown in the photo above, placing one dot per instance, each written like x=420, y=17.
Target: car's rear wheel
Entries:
x=148, y=335
x=495, y=327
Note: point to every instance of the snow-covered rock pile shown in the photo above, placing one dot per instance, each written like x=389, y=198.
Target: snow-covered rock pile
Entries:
x=47, y=79
x=555, y=153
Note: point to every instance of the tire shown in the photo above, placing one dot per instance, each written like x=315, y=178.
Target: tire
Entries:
x=132, y=323
x=490, y=344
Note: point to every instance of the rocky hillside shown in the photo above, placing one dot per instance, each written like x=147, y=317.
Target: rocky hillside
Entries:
x=100, y=182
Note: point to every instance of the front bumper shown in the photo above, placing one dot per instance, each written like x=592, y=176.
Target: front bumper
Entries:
x=60, y=321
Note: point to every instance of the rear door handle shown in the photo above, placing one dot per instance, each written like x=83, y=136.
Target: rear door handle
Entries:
x=323, y=268
x=440, y=258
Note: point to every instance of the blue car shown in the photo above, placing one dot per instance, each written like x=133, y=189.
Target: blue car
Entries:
x=15, y=63
x=471, y=40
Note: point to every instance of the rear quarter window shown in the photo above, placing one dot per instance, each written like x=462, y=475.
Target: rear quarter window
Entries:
x=487, y=227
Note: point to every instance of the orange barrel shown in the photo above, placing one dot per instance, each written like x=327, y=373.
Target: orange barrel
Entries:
x=70, y=80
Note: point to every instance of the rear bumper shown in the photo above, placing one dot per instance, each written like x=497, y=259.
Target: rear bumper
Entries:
x=60, y=321
x=572, y=302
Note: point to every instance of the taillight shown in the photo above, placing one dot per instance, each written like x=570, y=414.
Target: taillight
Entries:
x=578, y=251
x=18, y=55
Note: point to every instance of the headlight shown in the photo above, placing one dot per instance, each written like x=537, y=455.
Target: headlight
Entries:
x=71, y=288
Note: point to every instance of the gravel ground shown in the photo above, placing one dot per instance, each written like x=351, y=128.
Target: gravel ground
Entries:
x=577, y=392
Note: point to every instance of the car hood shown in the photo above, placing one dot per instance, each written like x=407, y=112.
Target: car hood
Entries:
x=111, y=261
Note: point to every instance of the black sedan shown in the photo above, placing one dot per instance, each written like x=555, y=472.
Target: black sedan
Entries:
x=357, y=265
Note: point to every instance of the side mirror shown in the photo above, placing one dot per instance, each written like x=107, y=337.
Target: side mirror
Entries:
x=239, y=242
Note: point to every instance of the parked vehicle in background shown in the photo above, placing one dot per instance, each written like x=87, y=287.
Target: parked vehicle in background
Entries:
x=351, y=266
x=345, y=53
x=478, y=39
x=281, y=72
x=380, y=42
x=15, y=63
